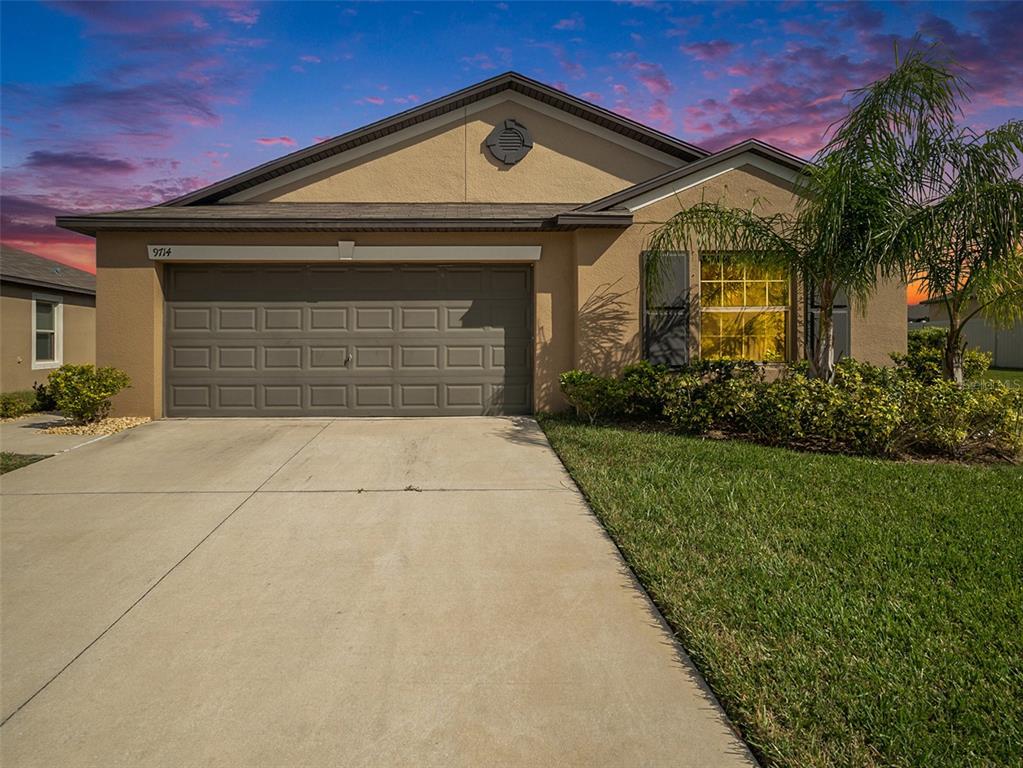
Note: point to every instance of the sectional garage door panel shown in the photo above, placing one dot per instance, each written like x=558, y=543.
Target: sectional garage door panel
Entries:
x=246, y=340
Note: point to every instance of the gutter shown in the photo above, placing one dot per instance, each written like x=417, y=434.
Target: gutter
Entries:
x=90, y=225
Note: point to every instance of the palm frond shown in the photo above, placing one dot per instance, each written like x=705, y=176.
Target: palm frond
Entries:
x=745, y=235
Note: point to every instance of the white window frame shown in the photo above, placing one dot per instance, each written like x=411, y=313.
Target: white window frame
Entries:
x=58, y=331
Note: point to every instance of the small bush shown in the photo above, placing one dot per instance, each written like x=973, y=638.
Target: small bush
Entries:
x=641, y=390
x=594, y=397
x=14, y=404
x=43, y=399
x=925, y=353
x=83, y=392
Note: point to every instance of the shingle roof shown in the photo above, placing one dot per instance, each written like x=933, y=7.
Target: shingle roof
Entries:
x=507, y=81
x=19, y=266
x=348, y=217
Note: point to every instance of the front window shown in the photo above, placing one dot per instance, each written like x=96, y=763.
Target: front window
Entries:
x=46, y=327
x=743, y=310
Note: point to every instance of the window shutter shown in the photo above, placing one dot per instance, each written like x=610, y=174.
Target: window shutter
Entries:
x=666, y=315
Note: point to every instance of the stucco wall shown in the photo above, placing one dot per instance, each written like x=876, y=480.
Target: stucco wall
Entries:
x=131, y=304
x=452, y=164
x=878, y=328
x=79, y=334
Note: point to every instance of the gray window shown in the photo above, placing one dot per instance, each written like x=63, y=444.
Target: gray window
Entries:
x=666, y=310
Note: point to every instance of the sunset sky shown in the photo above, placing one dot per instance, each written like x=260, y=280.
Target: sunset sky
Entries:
x=120, y=105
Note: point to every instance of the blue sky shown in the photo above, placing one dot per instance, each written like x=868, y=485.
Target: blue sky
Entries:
x=117, y=105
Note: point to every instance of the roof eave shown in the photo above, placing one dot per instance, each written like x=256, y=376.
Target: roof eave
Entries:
x=750, y=145
x=90, y=226
x=28, y=281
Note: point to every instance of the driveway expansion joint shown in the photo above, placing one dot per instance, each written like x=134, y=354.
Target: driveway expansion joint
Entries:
x=157, y=583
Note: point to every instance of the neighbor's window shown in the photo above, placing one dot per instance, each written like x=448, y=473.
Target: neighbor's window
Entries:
x=46, y=327
x=743, y=310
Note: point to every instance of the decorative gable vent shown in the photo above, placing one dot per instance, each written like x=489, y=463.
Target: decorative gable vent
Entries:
x=510, y=142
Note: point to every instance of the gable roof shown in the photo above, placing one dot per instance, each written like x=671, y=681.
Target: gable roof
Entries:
x=507, y=81
x=17, y=266
x=753, y=146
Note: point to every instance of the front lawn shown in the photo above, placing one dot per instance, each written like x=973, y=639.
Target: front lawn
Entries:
x=1007, y=375
x=12, y=461
x=846, y=611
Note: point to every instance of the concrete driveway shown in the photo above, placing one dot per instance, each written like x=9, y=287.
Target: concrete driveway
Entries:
x=428, y=592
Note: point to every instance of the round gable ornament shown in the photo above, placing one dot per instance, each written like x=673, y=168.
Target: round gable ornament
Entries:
x=509, y=142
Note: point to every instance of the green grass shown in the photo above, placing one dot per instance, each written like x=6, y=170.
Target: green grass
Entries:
x=1008, y=375
x=846, y=611
x=12, y=461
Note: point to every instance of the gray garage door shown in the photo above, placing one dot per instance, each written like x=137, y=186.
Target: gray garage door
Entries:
x=345, y=340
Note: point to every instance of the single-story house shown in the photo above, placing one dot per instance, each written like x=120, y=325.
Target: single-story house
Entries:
x=1005, y=343
x=47, y=318
x=451, y=260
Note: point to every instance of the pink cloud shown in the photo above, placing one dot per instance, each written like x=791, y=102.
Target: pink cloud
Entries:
x=309, y=59
x=375, y=100
x=649, y=74
x=574, y=22
x=271, y=140
x=658, y=115
x=480, y=61
x=709, y=51
x=592, y=96
x=242, y=13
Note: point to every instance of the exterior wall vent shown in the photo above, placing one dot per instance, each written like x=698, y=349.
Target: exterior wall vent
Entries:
x=509, y=142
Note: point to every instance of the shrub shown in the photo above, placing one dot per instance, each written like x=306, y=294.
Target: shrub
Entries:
x=641, y=390
x=592, y=396
x=83, y=392
x=43, y=399
x=924, y=355
x=14, y=404
x=685, y=405
x=980, y=419
x=868, y=409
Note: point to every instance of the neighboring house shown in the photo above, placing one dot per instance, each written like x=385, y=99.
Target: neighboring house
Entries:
x=453, y=259
x=1004, y=343
x=47, y=318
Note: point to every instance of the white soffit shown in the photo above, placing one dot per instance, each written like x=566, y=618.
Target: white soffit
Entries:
x=345, y=250
x=338, y=161
x=708, y=173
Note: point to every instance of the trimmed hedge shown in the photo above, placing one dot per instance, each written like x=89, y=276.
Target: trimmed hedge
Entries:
x=867, y=410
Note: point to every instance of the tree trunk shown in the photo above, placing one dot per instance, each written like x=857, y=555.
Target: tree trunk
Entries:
x=953, y=356
x=823, y=364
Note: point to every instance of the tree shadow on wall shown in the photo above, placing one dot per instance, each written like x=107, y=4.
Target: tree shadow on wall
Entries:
x=603, y=331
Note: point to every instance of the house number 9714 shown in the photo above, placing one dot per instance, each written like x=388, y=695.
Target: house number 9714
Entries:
x=161, y=253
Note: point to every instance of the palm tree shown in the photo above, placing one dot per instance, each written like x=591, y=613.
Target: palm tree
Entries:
x=840, y=239
x=959, y=232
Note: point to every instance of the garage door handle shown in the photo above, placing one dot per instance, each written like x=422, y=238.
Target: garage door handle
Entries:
x=348, y=358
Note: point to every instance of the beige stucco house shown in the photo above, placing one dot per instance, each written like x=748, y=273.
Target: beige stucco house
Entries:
x=47, y=318
x=453, y=259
